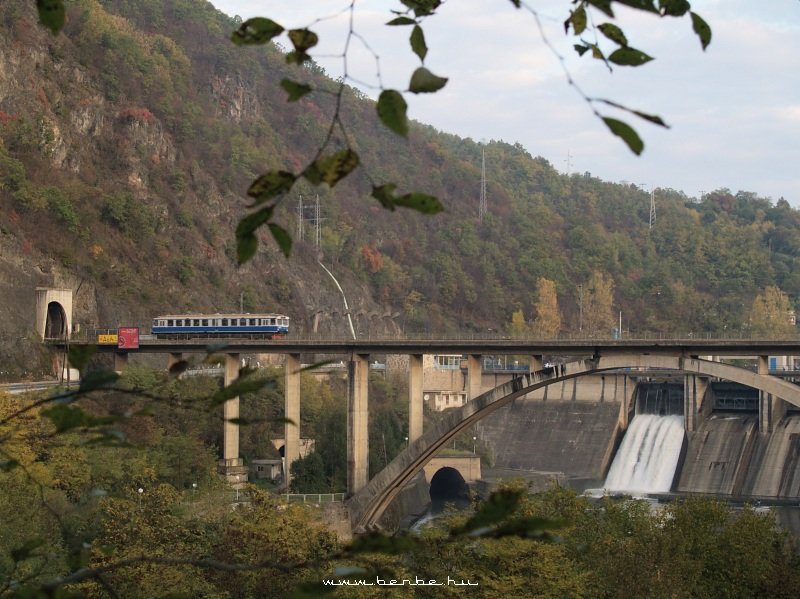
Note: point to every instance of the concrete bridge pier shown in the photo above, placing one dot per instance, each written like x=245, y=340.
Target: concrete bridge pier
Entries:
x=694, y=408
x=120, y=361
x=474, y=368
x=415, y=400
x=291, y=431
x=770, y=408
x=357, y=423
x=231, y=465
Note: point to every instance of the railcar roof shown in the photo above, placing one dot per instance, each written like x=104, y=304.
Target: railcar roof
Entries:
x=218, y=315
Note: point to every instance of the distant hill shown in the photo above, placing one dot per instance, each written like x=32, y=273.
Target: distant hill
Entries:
x=127, y=143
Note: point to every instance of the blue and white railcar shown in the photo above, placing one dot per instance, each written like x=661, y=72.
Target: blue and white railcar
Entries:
x=270, y=326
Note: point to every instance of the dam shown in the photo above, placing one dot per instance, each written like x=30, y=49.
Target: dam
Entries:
x=632, y=436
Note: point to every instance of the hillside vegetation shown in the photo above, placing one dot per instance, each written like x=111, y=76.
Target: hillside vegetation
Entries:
x=127, y=143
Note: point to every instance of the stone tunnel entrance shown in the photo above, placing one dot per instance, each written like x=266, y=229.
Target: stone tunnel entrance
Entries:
x=448, y=487
x=56, y=323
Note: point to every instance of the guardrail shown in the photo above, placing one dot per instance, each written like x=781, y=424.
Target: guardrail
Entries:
x=314, y=498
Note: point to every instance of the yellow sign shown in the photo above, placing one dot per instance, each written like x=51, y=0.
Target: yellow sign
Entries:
x=107, y=339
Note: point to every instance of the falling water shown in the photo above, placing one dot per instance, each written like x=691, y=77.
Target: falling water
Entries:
x=649, y=454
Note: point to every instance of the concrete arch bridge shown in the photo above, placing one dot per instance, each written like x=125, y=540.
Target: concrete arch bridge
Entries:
x=369, y=503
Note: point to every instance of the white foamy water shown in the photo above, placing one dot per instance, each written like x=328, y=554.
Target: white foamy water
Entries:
x=649, y=454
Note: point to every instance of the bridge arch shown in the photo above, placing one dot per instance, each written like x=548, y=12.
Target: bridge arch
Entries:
x=368, y=504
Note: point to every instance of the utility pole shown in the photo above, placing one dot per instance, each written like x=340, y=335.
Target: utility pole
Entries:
x=482, y=205
x=569, y=162
x=317, y=223
x=300, y=218
x=580, y=308
x=652, y=208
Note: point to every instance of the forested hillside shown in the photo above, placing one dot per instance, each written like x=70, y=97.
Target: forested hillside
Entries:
x=127, y=143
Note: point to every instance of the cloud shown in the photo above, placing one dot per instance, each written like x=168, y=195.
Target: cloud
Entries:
x=734, y=109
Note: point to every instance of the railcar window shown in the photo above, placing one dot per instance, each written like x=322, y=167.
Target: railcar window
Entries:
x=224, y=322
x=179, y=322
x=253, y=322
x=205, y=322
x=169, y=322
x=196, y=322
x=242, y=322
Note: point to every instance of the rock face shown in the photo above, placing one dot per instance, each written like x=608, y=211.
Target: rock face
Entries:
x=104, y=188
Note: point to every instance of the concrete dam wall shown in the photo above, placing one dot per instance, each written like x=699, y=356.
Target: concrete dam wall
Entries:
x=570, y=434
x=545, y=438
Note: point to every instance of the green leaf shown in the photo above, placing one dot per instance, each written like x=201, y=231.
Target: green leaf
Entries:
x=614, y=33
x=99, y=379
x=392, y=111
x=66, y=417
x=385, y=195
x=655, y=119
x=8, y=465
x=79, y=356
x=418, y=42
x=500, y=505
x=302, y=40
x=674, y=8
x=332, y=168
x=577, y=18
x=580, y=49
x=422, y=8
x=627, y=133
x=294, y=89
x=377, y=543
x=271, y=184
x=702, y=30
x=282, y=238
x=246, y=247
x=51, y=14
x=402, y=21
x=645, y=5
x=246, y=241
x=630, y=57
x=238, y=387
x=258, y=30
x=425, y=82
x=19, y=554
x=421, y=202
x=602, y=5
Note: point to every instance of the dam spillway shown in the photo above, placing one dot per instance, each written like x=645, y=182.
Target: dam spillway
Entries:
x=648, y=456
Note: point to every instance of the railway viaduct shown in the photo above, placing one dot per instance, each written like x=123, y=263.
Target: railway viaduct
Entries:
x=369, y=499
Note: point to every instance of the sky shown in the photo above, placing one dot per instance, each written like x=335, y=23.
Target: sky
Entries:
x=733, y=110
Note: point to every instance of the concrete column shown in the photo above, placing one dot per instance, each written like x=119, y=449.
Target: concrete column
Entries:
x=474, y=367
x=415, y=401
x=120, y=361
x=357, y=423
x=173, y=358
x=764, y=399
x=291, y=432
x=536, y=363
x=694, y=389
x=230, y=410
